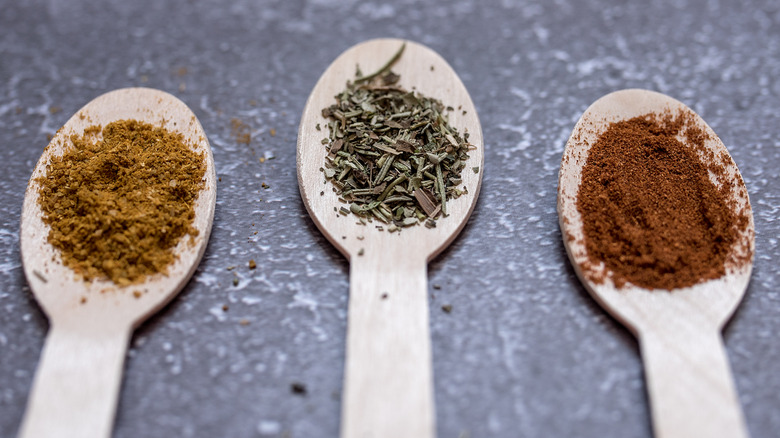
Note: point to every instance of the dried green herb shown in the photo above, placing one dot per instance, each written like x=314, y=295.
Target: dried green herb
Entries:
x=392, y=154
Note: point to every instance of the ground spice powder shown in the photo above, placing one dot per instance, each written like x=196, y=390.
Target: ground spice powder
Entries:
x=120, y=198
x=650, y=211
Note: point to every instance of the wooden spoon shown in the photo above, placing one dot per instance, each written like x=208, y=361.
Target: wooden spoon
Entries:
x=388, y=389
x=689, y=382
x=75, y=390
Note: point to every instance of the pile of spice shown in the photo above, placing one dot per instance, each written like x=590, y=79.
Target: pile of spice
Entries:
x=650, y=211
x=119, y=200
x=392, y=154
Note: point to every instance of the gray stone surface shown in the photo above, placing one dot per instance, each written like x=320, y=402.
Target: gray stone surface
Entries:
x=525, y=351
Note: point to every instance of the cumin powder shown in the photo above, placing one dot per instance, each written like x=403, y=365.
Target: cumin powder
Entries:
x=120, y=198
x=650, y=211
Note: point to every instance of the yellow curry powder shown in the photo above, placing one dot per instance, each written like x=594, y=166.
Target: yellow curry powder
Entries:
x=120, y=198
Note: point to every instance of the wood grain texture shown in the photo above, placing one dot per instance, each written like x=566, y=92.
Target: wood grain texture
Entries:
x=388, y=389
x=689, y=382
x=76, y=385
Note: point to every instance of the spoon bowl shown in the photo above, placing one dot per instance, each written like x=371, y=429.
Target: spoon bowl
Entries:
x=388, y=389
x=77, y=382
x=689, y=382
x=420, y=69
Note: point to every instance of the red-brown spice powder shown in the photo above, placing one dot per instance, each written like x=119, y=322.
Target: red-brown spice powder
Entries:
x=650, y=211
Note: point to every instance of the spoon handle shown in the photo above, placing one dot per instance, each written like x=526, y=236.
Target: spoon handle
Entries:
x=689, y=383
x=388, y=383
x=76, y=385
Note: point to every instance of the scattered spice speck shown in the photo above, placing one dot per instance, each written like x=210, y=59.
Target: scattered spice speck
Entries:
x=235, y=281
x=244, y=322
x=40, y=276
x=447, y=308
x=240, y=131
x=298, y=388
x=273, y=132
x=361, y=251
x=225, y=307
x=252, y=264
x=137, y=294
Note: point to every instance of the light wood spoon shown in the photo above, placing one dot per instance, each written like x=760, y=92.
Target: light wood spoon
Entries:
x=689, y=382
x=76, y=386
x=388, y=388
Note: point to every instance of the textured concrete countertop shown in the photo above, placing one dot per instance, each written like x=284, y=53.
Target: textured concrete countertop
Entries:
x=525, y=350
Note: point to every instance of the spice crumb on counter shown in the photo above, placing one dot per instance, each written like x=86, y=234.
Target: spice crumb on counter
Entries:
x=298, y=388
x=241, y=132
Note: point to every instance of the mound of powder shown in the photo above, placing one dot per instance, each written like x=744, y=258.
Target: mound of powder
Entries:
x=650, y=211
